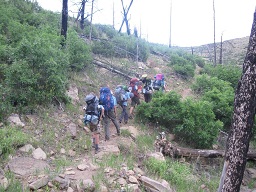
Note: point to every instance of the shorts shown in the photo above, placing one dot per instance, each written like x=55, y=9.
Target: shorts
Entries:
x=135, y=101
x=93, y=128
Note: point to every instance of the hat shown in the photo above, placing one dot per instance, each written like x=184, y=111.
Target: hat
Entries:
x=144, y=75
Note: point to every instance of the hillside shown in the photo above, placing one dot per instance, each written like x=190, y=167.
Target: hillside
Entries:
x=233, y=51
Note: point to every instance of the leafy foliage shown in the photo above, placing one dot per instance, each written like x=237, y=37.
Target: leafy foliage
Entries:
x=229, y=73
x=199, y=128
x=204, y=83
x=10, y=139
x=192, y=121
x=78, y=52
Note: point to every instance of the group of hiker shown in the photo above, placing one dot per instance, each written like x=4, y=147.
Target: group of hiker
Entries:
x=104, y=107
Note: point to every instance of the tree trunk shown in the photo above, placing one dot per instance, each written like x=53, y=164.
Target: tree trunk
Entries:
x=242, y=121
x=125, y=18
x=64, y=25
x=82, y=15
x=214, y=43
x=90, y=35
x=221, y=50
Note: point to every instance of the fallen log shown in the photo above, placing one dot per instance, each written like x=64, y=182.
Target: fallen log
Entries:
x=112, y=69
x=169, y=149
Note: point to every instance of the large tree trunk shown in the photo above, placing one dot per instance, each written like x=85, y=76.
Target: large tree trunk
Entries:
x=82, y=15
x=242, y=122
x=64, y=25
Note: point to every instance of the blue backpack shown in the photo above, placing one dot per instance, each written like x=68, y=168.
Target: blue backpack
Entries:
x=106, y=99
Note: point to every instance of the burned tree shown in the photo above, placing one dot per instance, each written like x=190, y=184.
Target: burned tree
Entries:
x=125, y=19
x=64, y=25
x=242, y=121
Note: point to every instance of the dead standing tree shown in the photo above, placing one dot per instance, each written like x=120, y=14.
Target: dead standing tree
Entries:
x=64, y=22
x=125, y=13
x=242, y=122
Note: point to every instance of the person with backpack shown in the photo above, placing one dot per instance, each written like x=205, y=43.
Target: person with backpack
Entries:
x=106, y=99
x=135, y=88
x=93, y=115
x=123, y=95
x=147, y=88
x=159, y=83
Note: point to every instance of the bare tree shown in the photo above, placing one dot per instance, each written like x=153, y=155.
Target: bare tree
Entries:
x=170, y=38
x=221, y=49
x=82, y=14
x=214, y=34
x=90, y=35
x=125, y=19
x=64, y=23
x=242, y=121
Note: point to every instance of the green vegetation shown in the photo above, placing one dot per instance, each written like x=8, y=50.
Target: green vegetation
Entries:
x=10, y=139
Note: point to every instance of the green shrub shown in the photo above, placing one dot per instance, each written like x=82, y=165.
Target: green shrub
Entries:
x=199, y=128
x=183, y=64
x=79, y=52
x=222, y=102
x=204, y=83
x=229, y=73
x=164, y=109
x=40, y=71
x=10, y=139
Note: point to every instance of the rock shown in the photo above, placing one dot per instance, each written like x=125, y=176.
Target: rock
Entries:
x=62, y=151
x=39, y=154
x=27, y=148
x=4, y=182
x=133, y=180
x=121, y=181
x=72, y=130
x=72, y=92
x=82, y=167
x=157, y=155
x=27, y=166
x=154, y=185
x=70, y=189
x=138, y=171
x=39, y=183
x=14, y=119
x=88, y=185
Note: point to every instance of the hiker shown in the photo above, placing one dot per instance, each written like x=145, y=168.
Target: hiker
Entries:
x=93, y=115
x=147, y=88
x=135, y=88
x=107, y=100
x=123, y=95
x=159, y=83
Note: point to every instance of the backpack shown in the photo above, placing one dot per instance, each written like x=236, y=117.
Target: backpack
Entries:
x=120, y=94
x=159, y=81
x=92, y=112
x=106, y=99
x=134, y=86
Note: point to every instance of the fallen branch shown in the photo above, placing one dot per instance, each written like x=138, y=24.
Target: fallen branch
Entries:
x=169, y=149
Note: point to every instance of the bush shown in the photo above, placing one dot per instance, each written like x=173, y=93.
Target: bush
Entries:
x=204, y=83
x=223, y=104
x=10, y=139
x=79, y=52
x=40, y=71
x=164, y=109
x=199, y=128
x=229, y=73
x=183, y=64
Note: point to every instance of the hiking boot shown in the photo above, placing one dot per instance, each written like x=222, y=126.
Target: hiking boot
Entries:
x=97, y=150
x=118, y=133
x=125, y=122
x=107, y=138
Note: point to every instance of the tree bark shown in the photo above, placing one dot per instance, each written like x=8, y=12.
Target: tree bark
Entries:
x=82, y=15
x=242, y=121
x=64, y=25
